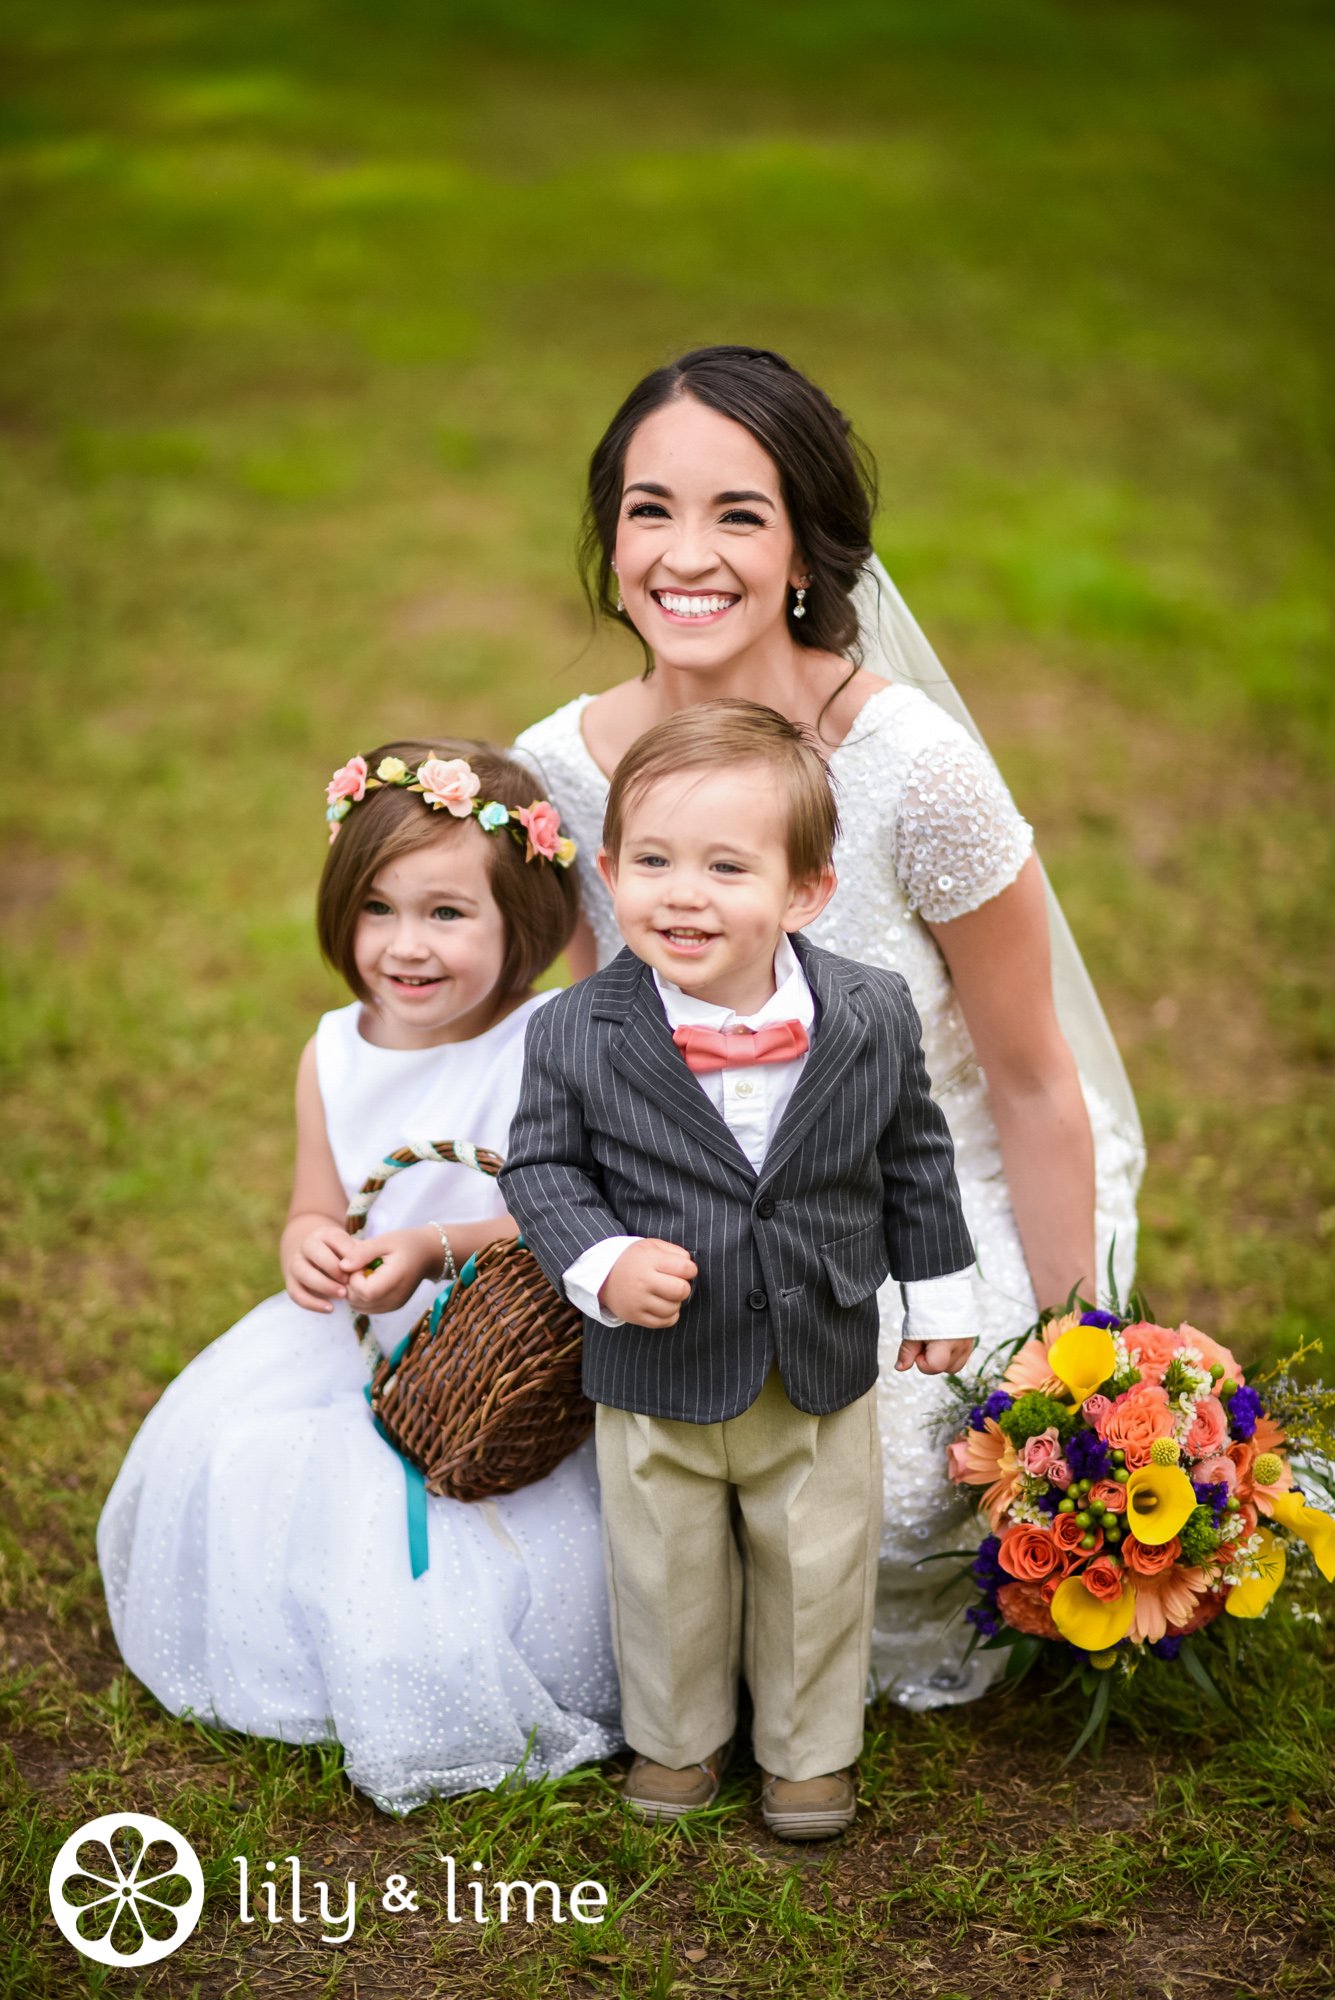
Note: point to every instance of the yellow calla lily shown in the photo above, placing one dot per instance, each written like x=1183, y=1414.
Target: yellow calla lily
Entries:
x=1083, y=1359
x=1249, y=1599
x=1158, y=1501
x=1315, y=1528
x=1087, y=1621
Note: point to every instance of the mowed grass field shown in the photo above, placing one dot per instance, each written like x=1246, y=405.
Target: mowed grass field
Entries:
x=311, y=315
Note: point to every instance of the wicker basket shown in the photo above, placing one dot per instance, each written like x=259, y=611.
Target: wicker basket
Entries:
x=484, y=1394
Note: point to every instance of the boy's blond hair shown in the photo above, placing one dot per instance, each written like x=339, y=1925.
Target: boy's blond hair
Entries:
x=715, y=735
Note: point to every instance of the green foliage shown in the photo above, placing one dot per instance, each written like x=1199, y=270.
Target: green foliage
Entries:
x=1032, y=1413
x=1198, y=1535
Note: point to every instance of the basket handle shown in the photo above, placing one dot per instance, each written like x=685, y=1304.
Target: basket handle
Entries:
x=443, y=1152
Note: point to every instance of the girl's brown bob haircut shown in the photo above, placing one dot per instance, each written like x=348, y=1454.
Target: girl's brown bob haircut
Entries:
x=721, y=735
x=538, y=902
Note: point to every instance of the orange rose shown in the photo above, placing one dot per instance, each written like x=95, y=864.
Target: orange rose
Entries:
x=1151, y=1348
x=1147, y=1560
x=1068, y=1534
x=1103, y=1579
x=1109, y=1494
x=1136, y=1420
x=1028, y=1553
x=1023, y=1608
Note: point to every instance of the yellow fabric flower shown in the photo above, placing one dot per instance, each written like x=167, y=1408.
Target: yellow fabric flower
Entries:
x=1087, y=1621
x=1158, y=1500
x=1315, y=1528
x=1083, y=1359
x=566, y=851
x=390, y=769
x=1250, y=1598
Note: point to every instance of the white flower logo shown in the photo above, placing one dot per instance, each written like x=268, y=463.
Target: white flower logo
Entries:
x=126, y=1889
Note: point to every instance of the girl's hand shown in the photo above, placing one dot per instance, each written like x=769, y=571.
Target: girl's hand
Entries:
x=406, y=1256
x=314, y=1272
x=934, y=1357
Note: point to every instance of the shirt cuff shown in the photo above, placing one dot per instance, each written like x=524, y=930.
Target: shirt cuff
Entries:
x=588, y=1274
x=940, y=1308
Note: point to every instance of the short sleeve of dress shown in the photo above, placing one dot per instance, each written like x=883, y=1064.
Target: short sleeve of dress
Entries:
x=958, y=838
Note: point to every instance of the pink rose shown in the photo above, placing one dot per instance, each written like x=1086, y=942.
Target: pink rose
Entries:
x=1209, y=1431
x=1039, y=1452
x=1059, y=1474
x=449, y=782
x=957, y=1460
x=1096, y=1410
x=542, y=823
x=1220, y=1470
x=348, y=782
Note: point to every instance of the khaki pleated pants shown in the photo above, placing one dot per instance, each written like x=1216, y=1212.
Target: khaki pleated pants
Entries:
x=747, y=1544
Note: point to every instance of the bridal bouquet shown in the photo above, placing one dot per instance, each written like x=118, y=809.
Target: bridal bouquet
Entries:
x=1135, y=1487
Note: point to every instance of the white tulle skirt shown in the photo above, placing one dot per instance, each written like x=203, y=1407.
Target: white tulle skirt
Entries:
x=255, y=1557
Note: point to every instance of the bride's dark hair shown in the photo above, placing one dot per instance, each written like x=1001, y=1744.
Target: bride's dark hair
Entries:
x=826, y=474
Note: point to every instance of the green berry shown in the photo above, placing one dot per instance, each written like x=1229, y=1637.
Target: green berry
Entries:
x=1066, y=1506
x=1121, y=1475
x=1088, y=1541
x=1119, y=1458
x=1084, y=1518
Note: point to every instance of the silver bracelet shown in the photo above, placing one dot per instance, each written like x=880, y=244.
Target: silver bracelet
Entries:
x=448, y=1272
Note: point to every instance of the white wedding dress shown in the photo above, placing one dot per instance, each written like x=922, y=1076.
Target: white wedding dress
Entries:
x=929, y=832
x=254, y=1547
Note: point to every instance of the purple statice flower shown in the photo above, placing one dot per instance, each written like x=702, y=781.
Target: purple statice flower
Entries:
x=986, y=1617
x=1166, y=1649
x=1212, y=1497
x=995, y=1406
x=985, y=1570
x=1244, y=1407
x=1097, y=1317
x=1088, y=1456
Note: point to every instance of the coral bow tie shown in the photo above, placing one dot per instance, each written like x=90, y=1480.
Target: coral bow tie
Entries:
x=707, y=1049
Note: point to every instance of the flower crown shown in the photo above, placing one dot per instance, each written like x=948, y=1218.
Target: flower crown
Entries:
x=450, y=784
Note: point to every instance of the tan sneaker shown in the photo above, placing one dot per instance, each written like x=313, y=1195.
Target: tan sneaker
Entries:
x=809, y=1808
x=657, y=1792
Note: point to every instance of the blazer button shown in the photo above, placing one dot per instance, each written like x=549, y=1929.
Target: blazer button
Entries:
x=765, y=1206
x=757, y=1301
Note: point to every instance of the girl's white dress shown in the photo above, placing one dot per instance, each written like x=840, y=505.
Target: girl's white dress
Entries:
x=929, y=833
x=254, y=1547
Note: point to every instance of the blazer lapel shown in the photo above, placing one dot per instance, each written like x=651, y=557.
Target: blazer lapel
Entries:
x=841, y=1035
x=646, y=1055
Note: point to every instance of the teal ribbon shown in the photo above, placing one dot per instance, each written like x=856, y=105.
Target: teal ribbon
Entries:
x=414, y=1478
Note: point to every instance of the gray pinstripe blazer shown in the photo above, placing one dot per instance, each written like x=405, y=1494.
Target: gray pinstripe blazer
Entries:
x=613, y=1136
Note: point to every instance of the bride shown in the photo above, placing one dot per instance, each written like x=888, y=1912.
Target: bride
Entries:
x=728, y=527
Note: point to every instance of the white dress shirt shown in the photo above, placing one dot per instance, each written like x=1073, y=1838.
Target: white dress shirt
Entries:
x=751, y=1101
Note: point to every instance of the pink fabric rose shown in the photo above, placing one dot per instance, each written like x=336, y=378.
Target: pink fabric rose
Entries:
x=1039, y=1452
x=449, y=782
x=1209, y=1431
x=348, y=782
x=542, y=823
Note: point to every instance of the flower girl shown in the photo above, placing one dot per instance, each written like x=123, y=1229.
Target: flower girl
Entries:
x=254, y=1547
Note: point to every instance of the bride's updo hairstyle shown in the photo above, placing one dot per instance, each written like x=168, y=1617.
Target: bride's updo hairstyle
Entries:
x=826, y=475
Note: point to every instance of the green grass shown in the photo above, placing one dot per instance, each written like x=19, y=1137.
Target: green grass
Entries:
x=312, y=314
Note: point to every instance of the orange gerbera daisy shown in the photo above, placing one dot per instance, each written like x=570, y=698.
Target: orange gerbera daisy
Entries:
x=1167, y=1599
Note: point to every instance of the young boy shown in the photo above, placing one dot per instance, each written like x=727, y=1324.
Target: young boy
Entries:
x=724, y=1144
